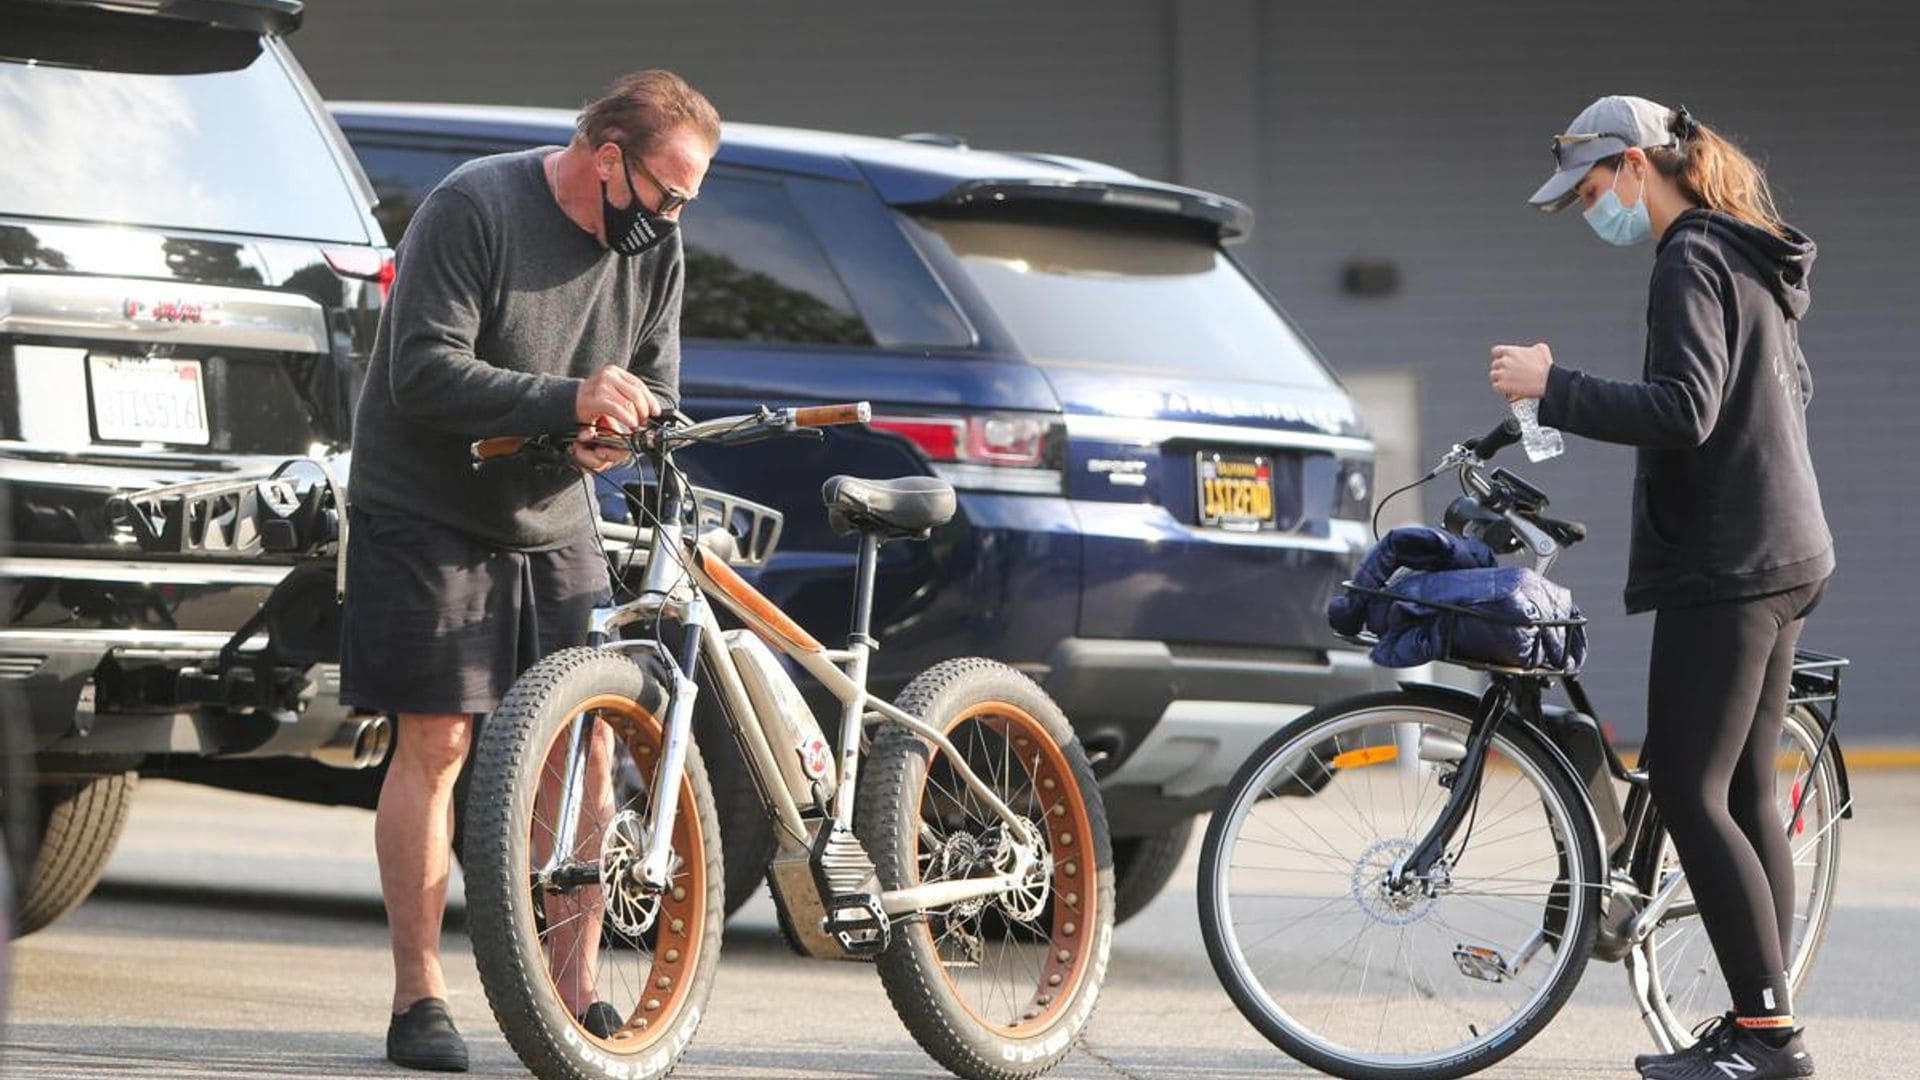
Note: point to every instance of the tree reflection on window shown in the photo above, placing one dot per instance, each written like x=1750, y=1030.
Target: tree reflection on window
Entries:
x=755, y=272
x=726, y=301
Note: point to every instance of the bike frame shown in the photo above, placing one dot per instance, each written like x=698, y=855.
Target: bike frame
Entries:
x=1636, y=899
x=681, y=577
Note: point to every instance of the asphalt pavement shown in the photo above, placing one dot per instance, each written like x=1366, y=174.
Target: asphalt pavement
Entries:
x=237, y=936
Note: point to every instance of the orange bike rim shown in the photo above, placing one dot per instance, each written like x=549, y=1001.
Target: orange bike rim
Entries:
x=1075, y=893
x=681, y=926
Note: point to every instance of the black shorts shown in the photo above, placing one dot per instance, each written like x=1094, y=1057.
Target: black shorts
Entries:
x=438, y=622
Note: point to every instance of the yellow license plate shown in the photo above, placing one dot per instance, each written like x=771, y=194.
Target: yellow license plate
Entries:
x=1236, y=491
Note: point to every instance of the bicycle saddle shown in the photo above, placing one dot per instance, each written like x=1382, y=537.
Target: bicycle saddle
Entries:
x=893, y=509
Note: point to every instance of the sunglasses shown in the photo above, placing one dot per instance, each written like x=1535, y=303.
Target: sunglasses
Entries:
x=671, y=198
x=1562, y=142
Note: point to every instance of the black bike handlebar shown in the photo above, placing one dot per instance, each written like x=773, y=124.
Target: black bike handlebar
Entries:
x=724, y=431
x=1505, y=434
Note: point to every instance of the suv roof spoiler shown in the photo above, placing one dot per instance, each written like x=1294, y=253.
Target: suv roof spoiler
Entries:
x=1232, y=218
x=260, y=16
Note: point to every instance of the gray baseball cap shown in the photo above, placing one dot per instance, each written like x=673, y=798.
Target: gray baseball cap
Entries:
x=1607, y=127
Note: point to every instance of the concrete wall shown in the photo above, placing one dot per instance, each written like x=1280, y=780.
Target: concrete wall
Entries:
x=1403, y=133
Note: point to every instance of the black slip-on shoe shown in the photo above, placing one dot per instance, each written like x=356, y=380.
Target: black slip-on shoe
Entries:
x=423, y=1037
x=601, y=1020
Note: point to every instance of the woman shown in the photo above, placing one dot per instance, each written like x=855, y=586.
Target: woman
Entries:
x=1730, y=548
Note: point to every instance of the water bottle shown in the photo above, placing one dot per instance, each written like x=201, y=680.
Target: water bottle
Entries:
x=1541, y=443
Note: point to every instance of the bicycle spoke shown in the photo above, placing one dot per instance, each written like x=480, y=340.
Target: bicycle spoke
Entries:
x=1350, y=962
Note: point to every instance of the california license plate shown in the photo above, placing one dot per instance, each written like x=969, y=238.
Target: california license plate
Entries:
x=1236, y=491
x=148, y=399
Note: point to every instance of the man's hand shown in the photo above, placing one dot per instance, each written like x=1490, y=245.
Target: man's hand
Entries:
x=597, y=458
x=1520, y=371
x=615, y=394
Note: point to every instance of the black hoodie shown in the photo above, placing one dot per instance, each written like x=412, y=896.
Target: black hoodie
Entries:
x=1725, y=504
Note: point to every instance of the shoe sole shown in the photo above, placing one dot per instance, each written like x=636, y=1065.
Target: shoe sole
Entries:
x=426, y=1063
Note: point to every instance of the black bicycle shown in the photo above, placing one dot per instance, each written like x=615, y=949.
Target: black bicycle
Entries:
x=1409, y=884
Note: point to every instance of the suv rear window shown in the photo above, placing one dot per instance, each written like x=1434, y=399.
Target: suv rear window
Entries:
x=155, y=121
x=1125, y=292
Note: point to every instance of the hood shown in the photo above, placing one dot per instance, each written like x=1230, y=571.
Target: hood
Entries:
x=1784, y=264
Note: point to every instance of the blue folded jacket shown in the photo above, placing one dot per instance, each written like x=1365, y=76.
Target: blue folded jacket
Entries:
x=1504, y=606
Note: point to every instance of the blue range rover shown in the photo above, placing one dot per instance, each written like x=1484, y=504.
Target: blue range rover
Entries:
x=1160, y=482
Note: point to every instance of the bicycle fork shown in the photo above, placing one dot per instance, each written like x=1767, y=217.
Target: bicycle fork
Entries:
x=1465, y=784
x=655, y=868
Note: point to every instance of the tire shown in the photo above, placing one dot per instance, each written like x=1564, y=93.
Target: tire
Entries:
x=1061, y=919
x=1685, y=986
x=1434, y=1035
x=79, y=824
x=19, y=824
x=661, y=991
x=1143, y=865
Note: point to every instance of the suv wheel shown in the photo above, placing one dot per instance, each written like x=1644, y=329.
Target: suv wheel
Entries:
x=1142, y=866
x=80, y=822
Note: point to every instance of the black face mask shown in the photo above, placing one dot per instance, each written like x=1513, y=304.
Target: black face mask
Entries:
x=635, y=229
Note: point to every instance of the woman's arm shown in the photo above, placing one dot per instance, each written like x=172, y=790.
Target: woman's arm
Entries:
x=1678, y=403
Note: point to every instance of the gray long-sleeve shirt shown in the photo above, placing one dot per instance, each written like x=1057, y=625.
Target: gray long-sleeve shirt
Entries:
x=501, y=304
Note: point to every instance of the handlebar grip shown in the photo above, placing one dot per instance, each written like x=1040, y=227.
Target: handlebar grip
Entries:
x=498, y=447
x=858, y=412
x=1567, y=532
x=1502, y=436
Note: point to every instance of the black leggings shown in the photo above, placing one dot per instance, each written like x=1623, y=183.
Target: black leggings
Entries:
x=1717, y=693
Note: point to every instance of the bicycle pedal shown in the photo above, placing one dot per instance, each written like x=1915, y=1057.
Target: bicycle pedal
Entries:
x=859, y=923
x=1480, y=962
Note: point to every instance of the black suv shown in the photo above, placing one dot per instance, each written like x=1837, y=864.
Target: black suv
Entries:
x=190, y=274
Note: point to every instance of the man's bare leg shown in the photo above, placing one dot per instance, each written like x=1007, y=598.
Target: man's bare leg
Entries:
x=413, y=836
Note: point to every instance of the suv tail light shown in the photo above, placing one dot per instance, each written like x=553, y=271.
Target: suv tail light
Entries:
x=993, y=452
x=367, y=264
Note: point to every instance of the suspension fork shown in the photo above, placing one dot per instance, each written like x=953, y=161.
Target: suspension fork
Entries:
x=572, y=790
x=1494, y=705
x=677, y=735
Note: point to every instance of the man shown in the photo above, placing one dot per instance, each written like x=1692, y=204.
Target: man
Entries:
x=535, y=292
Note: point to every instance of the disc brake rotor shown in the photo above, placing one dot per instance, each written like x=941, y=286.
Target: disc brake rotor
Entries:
x=1028, y=897
x=630, y=908
x=1396, y=905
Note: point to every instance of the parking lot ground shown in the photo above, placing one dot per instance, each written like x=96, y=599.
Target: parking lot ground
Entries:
x=237, y=936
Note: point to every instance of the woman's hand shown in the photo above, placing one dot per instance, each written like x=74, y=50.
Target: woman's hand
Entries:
x=1520, y=371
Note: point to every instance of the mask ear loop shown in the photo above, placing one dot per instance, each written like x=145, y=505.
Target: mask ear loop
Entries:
x=1642, y=177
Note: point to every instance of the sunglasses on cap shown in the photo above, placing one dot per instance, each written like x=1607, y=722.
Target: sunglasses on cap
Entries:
x=1562, y=142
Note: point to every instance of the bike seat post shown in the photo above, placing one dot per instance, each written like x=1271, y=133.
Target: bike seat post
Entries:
x=854, y=707
x=864, y=575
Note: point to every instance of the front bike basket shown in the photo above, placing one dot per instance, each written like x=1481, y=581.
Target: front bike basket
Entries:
x=1450, y=618
x=754, y=527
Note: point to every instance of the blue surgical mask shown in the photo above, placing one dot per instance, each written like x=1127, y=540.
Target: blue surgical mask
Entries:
x=1621, y=226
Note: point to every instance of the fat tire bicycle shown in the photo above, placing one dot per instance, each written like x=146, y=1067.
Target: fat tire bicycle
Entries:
x=1407, y=885
x=954, y=837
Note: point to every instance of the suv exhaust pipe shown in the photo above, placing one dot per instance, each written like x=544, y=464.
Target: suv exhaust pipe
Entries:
x=360, y=743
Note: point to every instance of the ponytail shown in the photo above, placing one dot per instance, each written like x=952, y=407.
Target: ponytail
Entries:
x=1712, y=172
